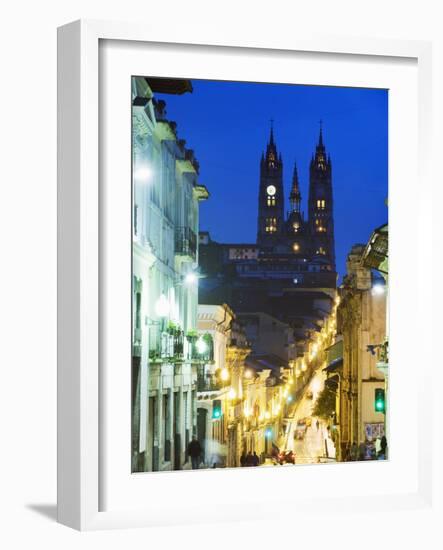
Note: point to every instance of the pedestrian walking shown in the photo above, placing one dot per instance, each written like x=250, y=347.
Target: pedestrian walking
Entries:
x=243, y=458
x=318, y=424
x=362, y=451
x=194, y=451
x=255, y=459
x=250, y=459
x=354, y=451
x=382, y=455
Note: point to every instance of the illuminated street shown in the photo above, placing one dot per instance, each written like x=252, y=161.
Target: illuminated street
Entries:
x=259, y=331
x=311, y=449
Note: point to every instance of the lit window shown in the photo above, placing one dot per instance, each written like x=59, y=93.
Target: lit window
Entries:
x=295, y=247
x=296, y=226
x=271, y=225
x=321, y=251
x=321, y=204
x=271, y=201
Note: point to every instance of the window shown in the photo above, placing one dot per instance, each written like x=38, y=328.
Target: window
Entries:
x=295, y=227
x=321, y=251
x=138, y=298
x=135, y=218
x=321, y=204
x=295, y=247
x=271, y=225
x=270, y=201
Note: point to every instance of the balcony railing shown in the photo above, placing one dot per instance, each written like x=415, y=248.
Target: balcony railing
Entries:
x=169, y=348
x=207, y=382
x=185, y=242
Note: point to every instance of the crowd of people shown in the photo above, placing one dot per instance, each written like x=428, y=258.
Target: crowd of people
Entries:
x=249, y=459
x=367, y=450
x=195, y=453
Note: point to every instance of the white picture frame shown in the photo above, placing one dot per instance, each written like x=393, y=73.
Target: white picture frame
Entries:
x=80, y=205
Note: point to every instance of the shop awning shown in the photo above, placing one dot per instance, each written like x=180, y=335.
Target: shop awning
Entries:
x=334, y=365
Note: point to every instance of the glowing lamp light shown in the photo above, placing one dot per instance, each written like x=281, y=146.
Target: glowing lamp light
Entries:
x=289, y=399
x=232, y=394
x=224, y=375
x=191, y=278
x=304, y=367
x=162, y=306
x=268, y=432
x=248, y=373
x=378, y=290
x=201, y=346
x=267, y=415
x=143, y=173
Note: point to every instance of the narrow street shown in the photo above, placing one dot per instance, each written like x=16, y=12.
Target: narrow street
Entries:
x=311, y=449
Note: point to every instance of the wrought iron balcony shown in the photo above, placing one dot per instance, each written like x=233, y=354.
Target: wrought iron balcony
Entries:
x=186, y=242
x=169, y=348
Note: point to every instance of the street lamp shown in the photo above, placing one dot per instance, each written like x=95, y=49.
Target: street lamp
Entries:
x=191, y=278
x=162, y=306
x=201, y=346
x=143, y=173
x=224, y=375
x=378, y=290
x=231, y=393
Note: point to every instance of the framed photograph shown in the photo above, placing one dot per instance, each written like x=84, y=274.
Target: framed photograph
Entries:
x=235, y=223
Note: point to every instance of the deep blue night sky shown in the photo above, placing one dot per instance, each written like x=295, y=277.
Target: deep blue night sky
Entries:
x=227, y=124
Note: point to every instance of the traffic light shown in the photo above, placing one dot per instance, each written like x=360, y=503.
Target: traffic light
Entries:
x=216, y=409
x=379, y=400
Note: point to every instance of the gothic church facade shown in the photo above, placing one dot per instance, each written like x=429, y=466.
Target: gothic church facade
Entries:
x=302, y=241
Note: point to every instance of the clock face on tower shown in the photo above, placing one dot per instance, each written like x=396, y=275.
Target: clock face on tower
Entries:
x=271, y=190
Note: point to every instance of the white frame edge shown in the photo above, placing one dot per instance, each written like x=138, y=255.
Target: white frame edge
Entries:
x=78, y=246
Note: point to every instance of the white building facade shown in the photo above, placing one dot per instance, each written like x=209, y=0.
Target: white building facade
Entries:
x=166, y=196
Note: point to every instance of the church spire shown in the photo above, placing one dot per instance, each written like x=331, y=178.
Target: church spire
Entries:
x=271, y=137
x=273, y=159
x=320, y=138
x=295, y=195
x=319, y=161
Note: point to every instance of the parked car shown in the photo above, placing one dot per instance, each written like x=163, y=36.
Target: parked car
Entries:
x=286, y=457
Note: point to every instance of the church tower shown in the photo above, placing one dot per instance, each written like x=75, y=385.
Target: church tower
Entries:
x=295, y=223
x=320, y=206
x=270, y=221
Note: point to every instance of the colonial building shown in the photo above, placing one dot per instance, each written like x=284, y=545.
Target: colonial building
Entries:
x=220, y=385
x=361, y=321
x=166, y=195
x=213, y=385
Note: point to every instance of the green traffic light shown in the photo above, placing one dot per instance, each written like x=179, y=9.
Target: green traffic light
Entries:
x=216, y=409
x=379, y=402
